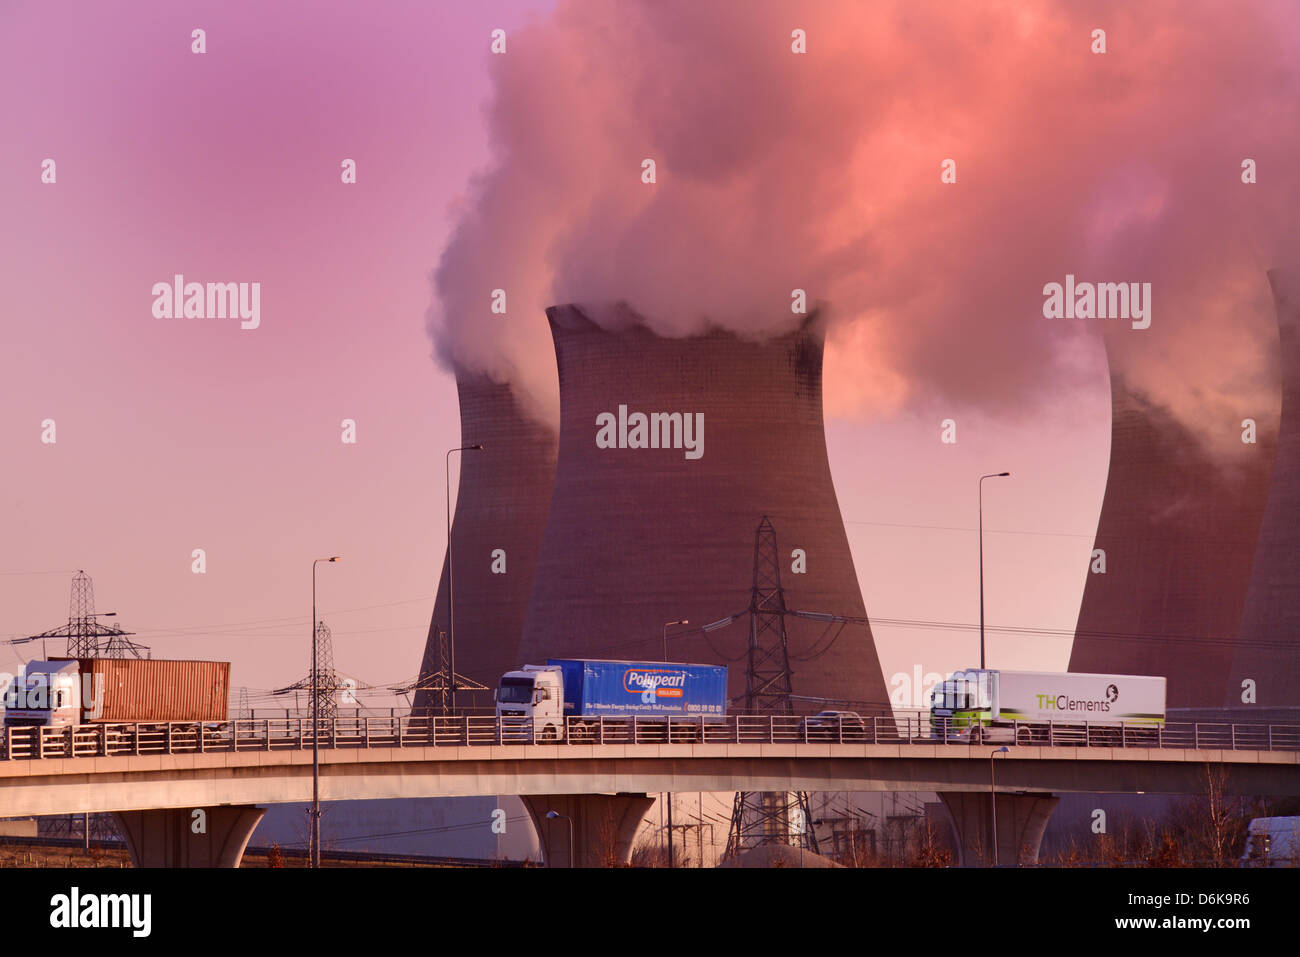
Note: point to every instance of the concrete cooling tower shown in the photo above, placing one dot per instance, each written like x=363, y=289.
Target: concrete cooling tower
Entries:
x=1178, y=527
x=1268, y=649
x=500, y=504
x=671, y=452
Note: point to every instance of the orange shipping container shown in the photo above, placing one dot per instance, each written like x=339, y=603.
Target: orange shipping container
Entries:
x=158, y=689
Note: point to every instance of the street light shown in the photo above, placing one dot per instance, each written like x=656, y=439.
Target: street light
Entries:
x=451, y=581
x=993, y=797
x=670, y=624
x=667, y=625
x=551, y=816
x=314, y=838
x=982, y=478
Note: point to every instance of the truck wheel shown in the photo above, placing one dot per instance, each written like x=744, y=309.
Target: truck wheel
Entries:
x=549, y=733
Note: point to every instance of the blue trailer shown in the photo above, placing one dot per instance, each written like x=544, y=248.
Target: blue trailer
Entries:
x=596, y=688
x=571, y=695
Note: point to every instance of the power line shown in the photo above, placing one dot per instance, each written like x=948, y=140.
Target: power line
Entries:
x=443, y=829
x=258, y=635
x=1144, y=539
x=1015, y=631
x=57, y=571
x=963, y=528
x=1026, y=632
x=1018, y=631
x=218, y=627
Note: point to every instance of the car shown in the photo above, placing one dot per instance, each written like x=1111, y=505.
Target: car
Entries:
x=835, y=726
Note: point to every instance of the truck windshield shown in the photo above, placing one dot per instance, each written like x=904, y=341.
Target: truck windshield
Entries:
x=955, y=696
x=515, y=691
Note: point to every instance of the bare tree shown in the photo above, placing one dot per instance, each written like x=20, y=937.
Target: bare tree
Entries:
x=1210, y=827
x=606, y=849
x=1221, y=818
x=930, y=851
x=1167, y=852
x=649, y=852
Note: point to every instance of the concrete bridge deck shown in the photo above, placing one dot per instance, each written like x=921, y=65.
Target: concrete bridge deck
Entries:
x=156, y=794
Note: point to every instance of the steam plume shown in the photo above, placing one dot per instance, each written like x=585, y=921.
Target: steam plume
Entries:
x=821, y=171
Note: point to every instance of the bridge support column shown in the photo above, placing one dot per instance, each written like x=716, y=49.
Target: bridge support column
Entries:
x=1021, y=821
x=189, y=837
x=604, y=826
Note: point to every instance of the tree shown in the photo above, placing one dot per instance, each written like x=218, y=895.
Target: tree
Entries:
x=1210, y=827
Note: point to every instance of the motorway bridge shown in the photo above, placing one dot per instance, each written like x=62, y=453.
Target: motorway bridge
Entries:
x=164, y=780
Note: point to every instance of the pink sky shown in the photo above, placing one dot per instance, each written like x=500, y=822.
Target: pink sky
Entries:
x=176, y=435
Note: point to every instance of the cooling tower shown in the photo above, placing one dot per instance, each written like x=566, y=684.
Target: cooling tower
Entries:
x=640, y=536
x=1268, y=649
x=500, y=505
x=1178, y=527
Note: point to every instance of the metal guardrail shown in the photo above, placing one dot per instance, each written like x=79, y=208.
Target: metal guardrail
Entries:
x=295, y=734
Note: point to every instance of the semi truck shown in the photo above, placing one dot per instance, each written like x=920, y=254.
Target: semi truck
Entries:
x=1040, y=707
x=72, y=691
x=569, y=696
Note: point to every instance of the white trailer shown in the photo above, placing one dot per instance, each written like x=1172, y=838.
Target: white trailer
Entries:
x=1041, y=707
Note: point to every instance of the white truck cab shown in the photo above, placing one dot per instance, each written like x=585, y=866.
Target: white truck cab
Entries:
x=47, y=694
x=536, y=693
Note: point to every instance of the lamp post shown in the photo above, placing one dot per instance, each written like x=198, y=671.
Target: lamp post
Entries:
x=993, y=797
x=667, y=625
x=670, y=624
x=451, y=581
x=551, y=816
x=981, y=486
x=314, y=838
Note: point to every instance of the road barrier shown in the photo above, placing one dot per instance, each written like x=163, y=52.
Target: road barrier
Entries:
x=296, y=734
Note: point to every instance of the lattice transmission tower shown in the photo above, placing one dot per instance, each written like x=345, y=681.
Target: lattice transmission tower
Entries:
x=778, y=817
x=437, y=683
x=328, y=682
x=86, y=637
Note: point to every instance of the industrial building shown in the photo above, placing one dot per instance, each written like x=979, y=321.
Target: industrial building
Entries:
x=1265, y=668
x=1178, y=528
x=501, y=507
x=651, y=528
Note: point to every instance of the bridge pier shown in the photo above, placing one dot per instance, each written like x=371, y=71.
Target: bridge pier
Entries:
x=604, y=826
x=189, y=837
x=1022, y=819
